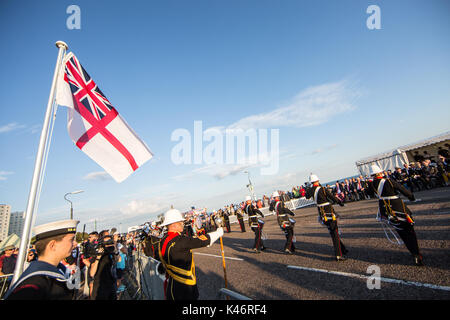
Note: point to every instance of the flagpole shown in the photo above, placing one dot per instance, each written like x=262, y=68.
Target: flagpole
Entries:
x=37, y=174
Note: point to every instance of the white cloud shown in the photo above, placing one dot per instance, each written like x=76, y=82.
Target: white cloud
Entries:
x=35, y=128
x=97, y=176
x=324, y=149
x=149, y=206
x=3, y=174
x=312, y=106
x=220, y=171
x=137, y=207
x=10, y=127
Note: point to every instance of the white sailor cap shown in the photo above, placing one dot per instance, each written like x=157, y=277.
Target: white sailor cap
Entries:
x=55, y=229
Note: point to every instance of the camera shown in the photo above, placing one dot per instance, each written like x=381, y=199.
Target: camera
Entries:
x=89, y=250
x=141, y=235
x=107, y=243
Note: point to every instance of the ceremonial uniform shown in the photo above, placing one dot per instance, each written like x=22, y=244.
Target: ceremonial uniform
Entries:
x=256, y=225
x=323, y=199
x=42, y=280
x=226, y=219
x=240, y=218
x=175, y=253
x=151, y=246
x=393, y=210
x=286, y=224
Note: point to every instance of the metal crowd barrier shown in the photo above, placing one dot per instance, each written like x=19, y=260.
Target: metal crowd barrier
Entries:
x=293, y=204
x=298, y=203
x=149, y=283
x=233, y=294
x=4, y=284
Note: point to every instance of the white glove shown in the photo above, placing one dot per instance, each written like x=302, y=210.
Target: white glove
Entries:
x=215, y=235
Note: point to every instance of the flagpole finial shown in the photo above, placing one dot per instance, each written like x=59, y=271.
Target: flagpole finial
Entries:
x=60, y=44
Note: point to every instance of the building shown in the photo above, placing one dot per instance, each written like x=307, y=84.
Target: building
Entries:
x=5, y=213
x=16, y=222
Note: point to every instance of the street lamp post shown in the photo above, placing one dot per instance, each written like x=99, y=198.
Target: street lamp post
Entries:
x=71, y=207
x=250, y=185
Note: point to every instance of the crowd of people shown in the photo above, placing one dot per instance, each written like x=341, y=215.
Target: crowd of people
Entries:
x=101, y=260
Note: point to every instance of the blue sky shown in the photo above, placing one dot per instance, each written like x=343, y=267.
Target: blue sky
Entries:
x=336, y=91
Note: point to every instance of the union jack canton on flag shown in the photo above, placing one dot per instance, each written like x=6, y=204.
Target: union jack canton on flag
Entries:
x=95, y=126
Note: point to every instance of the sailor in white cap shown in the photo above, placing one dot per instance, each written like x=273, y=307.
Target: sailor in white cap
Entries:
x=284, y=221
x=394, y=211
x=324, y=199
x=44, y=279
x=175, y=253
x=255, y=224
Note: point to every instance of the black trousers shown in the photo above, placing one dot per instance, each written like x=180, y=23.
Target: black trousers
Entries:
x=408, y=235
x=339, y=248
x=227, y=225
x=241, y=223
x=258, y=244
x=289, y=233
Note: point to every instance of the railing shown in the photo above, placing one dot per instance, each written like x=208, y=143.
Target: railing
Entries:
x=148, y=283
x=4, y=284
x=293, y=204
x=232, y=294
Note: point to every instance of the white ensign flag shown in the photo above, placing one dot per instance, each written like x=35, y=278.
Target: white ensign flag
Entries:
x=95, y=126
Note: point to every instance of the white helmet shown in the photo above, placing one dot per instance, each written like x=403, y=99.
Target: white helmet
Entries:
x=275, y=194
x=313, y=178
x=172, y=216
x=374, y=169
x=248, y=198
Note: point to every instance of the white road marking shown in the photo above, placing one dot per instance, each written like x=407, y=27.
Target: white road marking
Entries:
x=359, y=276
x=213, y=255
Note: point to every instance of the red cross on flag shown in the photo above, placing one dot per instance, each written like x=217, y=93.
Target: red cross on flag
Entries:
x=95, y=126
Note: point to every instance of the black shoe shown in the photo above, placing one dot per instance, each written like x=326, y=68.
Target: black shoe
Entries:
x=263, y=248
x=341, y=258
x=418, y=260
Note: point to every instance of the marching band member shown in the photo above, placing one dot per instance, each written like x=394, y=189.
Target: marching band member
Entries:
x=286, y=223
x=393, y=210
x=175, y=252
x=255, y=224
x=323, y=198
x=240, y=217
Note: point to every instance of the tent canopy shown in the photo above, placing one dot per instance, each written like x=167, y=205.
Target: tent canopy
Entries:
x=12, y=239
x=405, y=154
